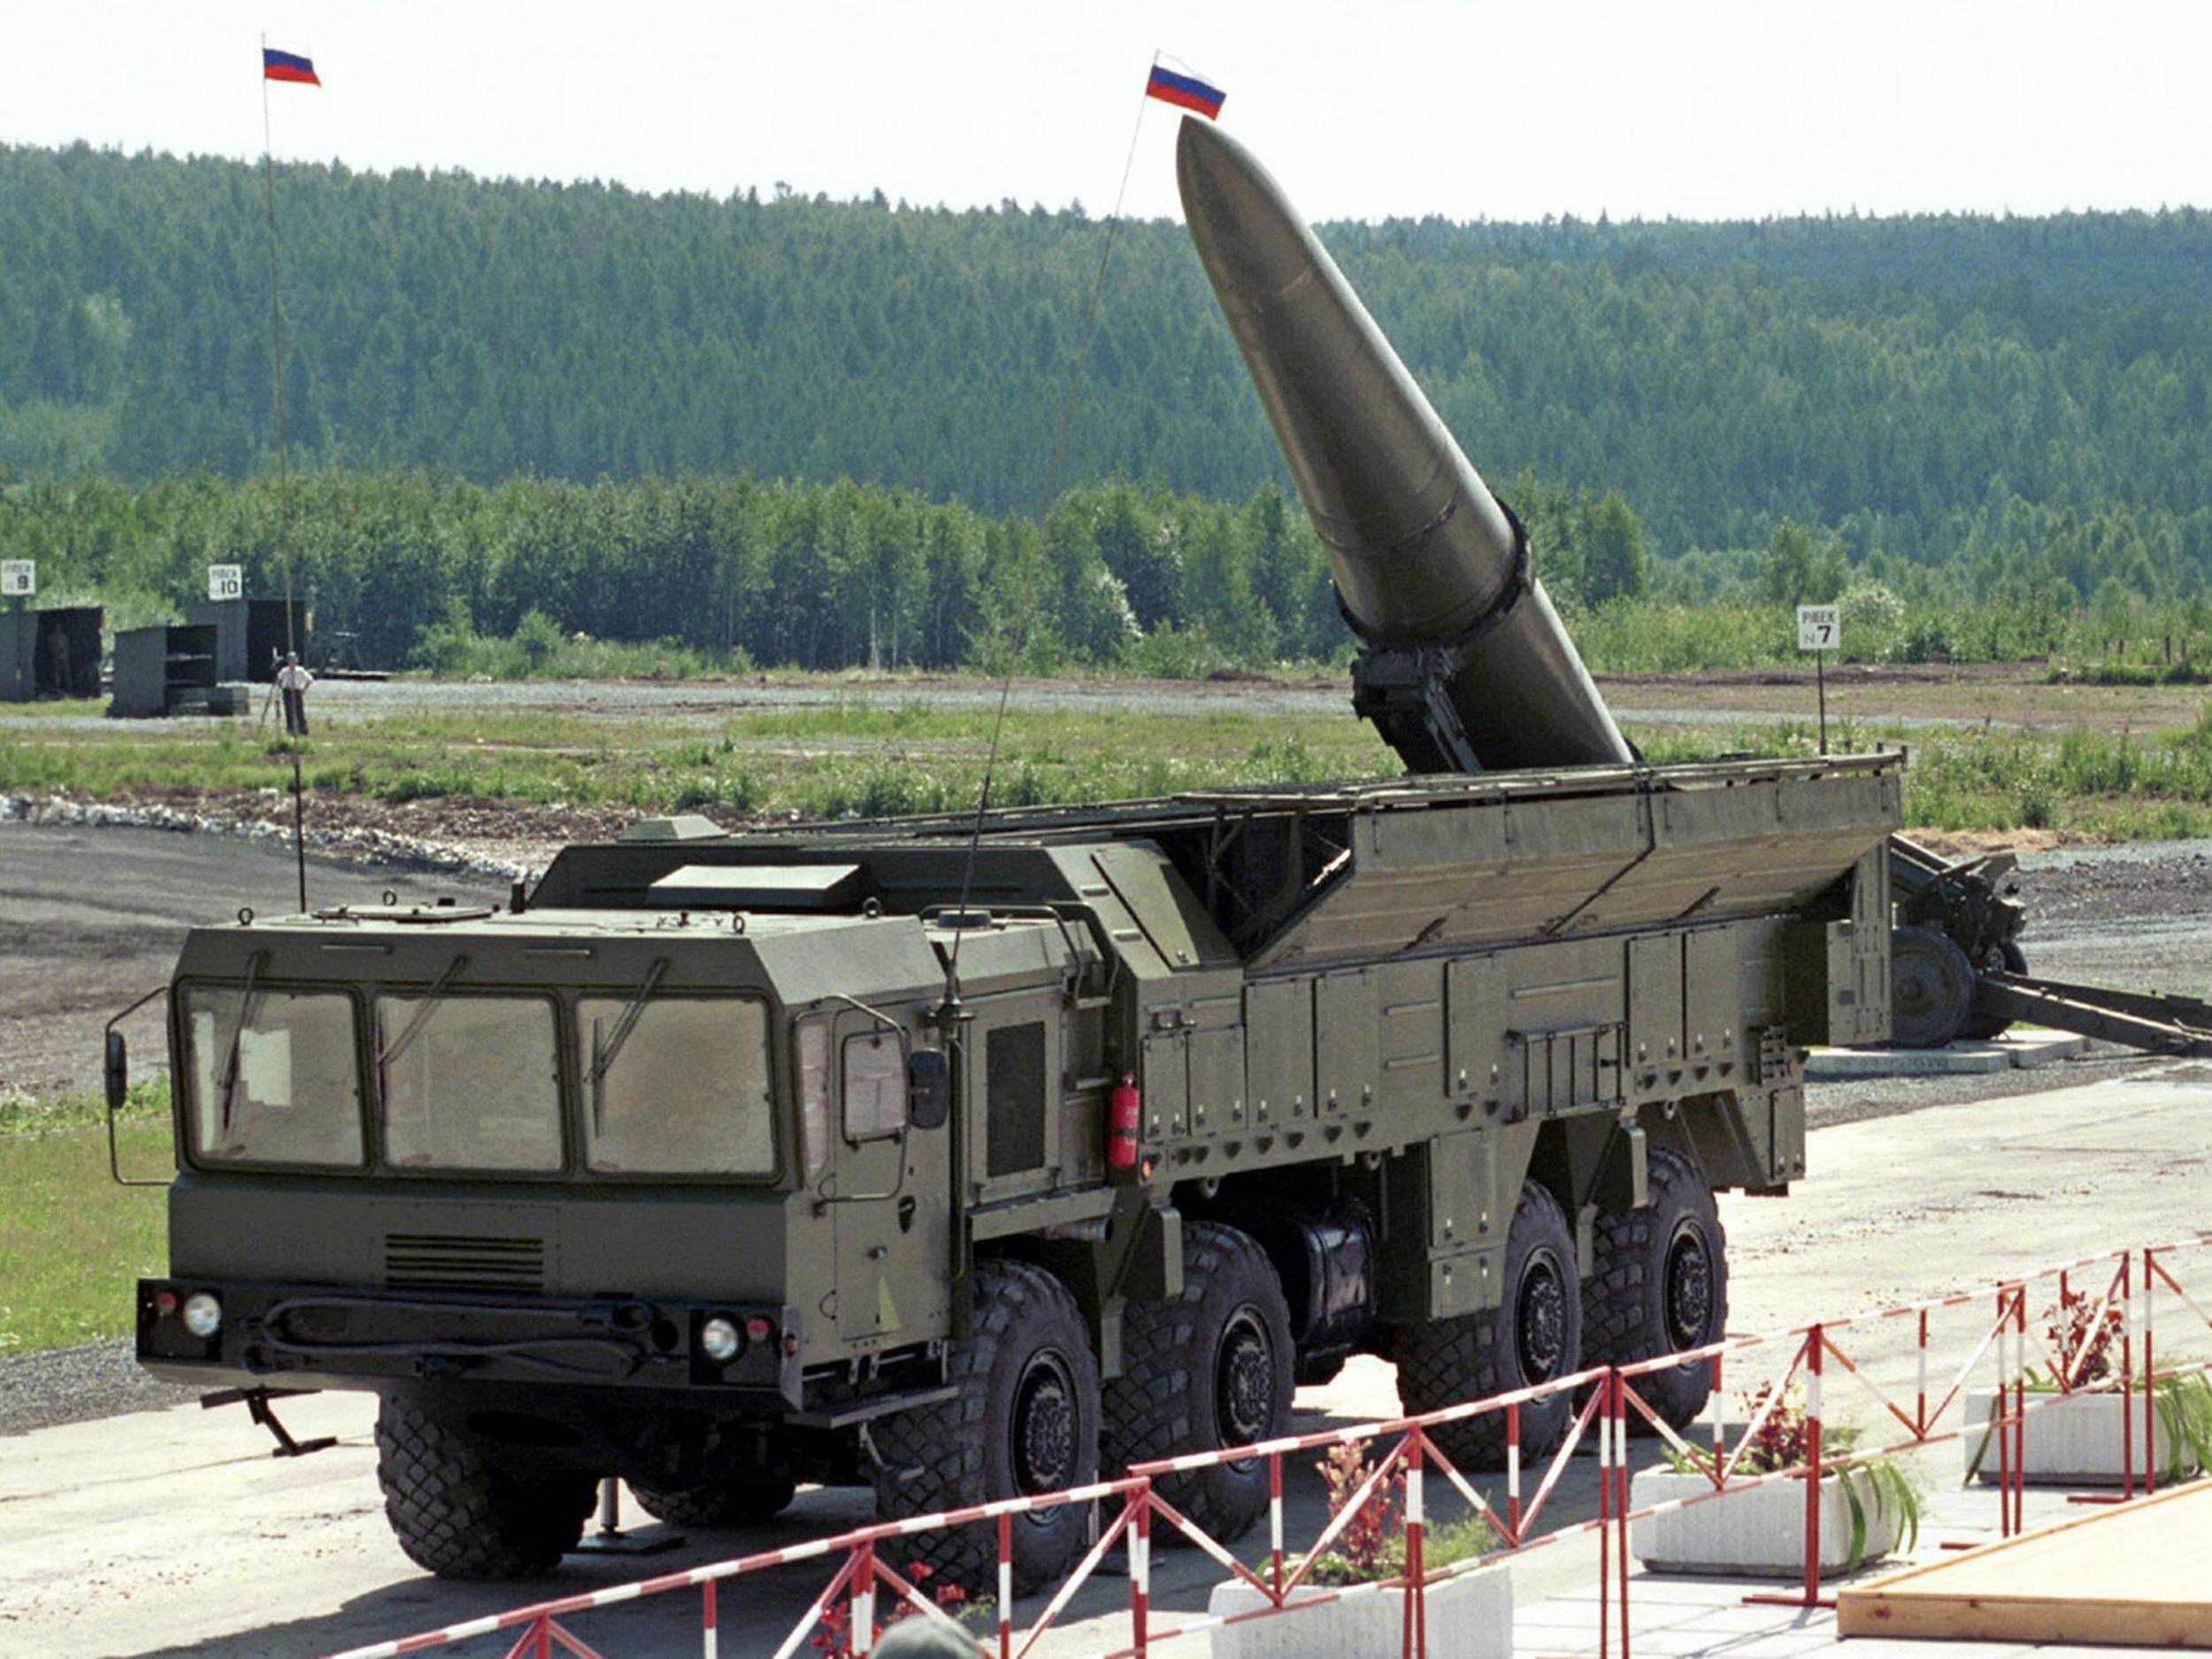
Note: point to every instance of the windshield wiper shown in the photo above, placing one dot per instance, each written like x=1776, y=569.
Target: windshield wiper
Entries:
x=393, y=1049
x=603, y=1056
x=238, y=1035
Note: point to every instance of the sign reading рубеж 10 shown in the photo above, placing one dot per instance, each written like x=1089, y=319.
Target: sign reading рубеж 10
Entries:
x=225, y=581
x=1819, y=628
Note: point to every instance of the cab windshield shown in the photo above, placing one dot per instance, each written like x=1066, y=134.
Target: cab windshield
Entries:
x=675, y=1086
x=469, y=1082
x=272, y=1075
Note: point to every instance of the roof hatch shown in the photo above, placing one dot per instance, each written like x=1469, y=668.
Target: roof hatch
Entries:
x=758, y=888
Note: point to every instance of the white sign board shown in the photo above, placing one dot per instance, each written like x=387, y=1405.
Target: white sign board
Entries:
x=225, y=581
x=19, y=578
x=1819, y=628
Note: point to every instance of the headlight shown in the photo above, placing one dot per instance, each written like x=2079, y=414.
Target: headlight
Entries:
x=202, y=1314
x=718, y=1340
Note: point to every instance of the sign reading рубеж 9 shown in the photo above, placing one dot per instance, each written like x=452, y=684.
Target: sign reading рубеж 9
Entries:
x=1819, y=628
x=19, y=578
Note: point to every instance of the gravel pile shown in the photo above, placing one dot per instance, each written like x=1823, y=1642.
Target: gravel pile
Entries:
x=363, y=843
x=72, y=1385
x=2146, y=879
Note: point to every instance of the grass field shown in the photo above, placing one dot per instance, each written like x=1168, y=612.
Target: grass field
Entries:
x=2104, y=763
x=72, y=1241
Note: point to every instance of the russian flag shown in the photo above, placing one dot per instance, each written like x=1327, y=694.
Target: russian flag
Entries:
x=1185, y=91
x=276, y=65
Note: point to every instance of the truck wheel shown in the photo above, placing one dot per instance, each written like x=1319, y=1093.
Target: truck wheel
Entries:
x=751, y=1499
x=1025, y=1422
x=1533, y=1335
x=1660, y=1285
x=1931, y=987
x=1210, y=1369
x=456, y=1514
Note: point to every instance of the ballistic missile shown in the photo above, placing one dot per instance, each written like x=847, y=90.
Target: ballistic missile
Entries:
x=1466, y=665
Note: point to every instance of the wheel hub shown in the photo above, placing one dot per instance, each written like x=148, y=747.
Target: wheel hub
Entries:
x=1044, y=1426
x=1541, y=1320
x=1689, y=1289
x=1917, y=987
x=1244, y=1379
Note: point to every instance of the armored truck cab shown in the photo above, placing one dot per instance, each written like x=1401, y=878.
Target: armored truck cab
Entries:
x=721, y=1161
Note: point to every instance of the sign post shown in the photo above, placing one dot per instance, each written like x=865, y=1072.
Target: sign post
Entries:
x=1820, y=630
x=225, y=581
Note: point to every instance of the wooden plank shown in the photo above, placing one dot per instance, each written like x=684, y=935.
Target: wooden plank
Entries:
x=2139, y=1575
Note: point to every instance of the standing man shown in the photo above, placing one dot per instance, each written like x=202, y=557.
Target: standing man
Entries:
x=293, y=682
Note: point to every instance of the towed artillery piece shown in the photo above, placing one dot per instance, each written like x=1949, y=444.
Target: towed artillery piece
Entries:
x=966, y=1157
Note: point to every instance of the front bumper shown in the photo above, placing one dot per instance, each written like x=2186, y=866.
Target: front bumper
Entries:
x=318, y=1336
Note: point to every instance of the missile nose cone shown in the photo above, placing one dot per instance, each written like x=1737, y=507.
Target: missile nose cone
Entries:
x=1421, y=552
x=1253, y=246
x=1376, y=467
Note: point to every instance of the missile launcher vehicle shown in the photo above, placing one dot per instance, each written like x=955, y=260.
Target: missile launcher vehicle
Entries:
x=969, y=1156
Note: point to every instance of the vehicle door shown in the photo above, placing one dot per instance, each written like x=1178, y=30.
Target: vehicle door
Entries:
x=889, y=1189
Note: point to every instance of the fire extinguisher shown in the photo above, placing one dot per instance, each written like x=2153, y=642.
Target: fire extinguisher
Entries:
x=1124, y=1108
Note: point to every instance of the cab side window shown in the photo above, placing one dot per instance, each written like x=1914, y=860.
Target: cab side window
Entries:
x=875, y=1085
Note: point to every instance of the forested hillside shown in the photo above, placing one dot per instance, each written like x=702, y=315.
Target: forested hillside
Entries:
x=1906, y=384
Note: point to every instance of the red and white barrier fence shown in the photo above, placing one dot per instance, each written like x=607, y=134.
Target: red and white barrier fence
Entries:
x=1997, y=1319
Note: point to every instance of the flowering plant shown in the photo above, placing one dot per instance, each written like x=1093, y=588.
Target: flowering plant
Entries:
x=1372, y=1544
x=2084, y=1337
x=1872, y=1486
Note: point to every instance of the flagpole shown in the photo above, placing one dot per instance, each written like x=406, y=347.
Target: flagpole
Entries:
x=1044, y=511
x=284, y=474
x=276, y=356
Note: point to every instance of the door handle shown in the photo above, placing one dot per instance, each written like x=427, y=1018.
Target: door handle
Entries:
x=877, y=1252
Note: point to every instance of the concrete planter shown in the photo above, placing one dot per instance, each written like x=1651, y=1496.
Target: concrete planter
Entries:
x=2068, y=1439
x=1469, y=1618
x=1758, y=1532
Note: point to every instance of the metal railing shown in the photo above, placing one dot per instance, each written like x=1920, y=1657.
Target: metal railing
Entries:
x=1997, y=1321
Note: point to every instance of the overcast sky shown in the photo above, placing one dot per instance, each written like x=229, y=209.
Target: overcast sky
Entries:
x=1698, y=109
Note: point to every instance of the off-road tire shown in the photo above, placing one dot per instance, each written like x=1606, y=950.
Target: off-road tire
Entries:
x=1445, y=1362
x=1211, y=1368
x=1659, y=1285
x=462, y=1517
x=752, y=1499
x=1024, y=1369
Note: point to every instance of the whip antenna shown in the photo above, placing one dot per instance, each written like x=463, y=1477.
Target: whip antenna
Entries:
x=1029, y=576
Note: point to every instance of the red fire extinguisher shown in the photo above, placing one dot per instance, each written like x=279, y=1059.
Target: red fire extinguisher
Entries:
x=1124, y=1108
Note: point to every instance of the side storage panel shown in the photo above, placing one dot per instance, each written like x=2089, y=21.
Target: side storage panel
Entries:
x=1412, y=1025
x=1279, y=1051
x=1466, y=1228
x=1474, y=1029
x=1345, y=1041
x=1216, y=1063
x=1712, y=994
x=1654, y=998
